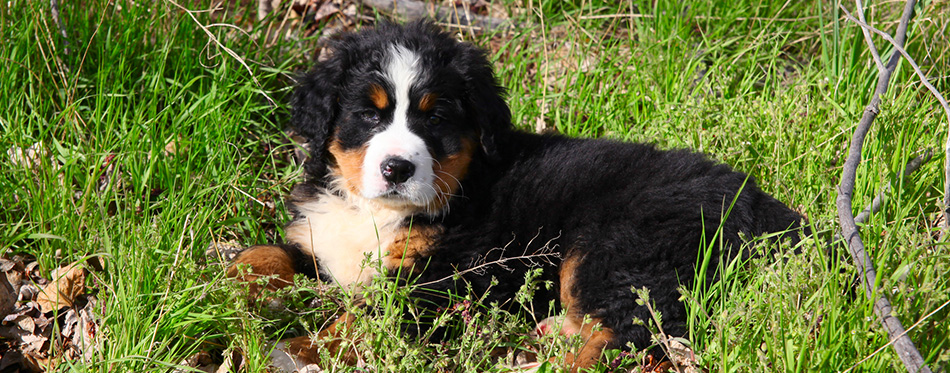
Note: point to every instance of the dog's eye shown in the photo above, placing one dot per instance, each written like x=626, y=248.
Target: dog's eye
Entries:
x=435, y=120
x=370, y=116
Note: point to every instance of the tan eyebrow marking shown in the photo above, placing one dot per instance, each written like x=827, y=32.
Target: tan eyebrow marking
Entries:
x=428, y=101
x=378, y=95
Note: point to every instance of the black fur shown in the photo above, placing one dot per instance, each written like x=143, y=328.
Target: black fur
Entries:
x=634, y=215
x=321, y=91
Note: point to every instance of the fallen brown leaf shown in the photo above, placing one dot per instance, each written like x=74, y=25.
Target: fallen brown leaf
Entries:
x=26, y=333
x=81, y=338
x=325, y=11
x=8, y=296
x=201, y=361
x=67, y=283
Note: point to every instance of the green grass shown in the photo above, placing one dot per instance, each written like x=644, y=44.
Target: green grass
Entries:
x=772, y=88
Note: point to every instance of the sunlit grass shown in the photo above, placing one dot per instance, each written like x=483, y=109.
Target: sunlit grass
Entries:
x=151, y=145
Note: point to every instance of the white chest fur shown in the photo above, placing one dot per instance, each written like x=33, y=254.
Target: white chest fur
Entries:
x=342, y=234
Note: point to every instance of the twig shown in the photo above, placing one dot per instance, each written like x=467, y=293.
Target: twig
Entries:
x=701, y=17
x=912, y=327
x=54, y=8
x=547, y=253
x=875, y=205
x=903, y=345
x=413, y=10
x=878, y=200
x=943, y=102
x=859, y=8
x=230, y=52
x=543, y=254
x=663, y=339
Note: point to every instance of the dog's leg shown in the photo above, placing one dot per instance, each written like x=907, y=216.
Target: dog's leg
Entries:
x=411, y=245
x=595, y=339
x=337, y=340
x=279, y=264
x=267, y=261
x=594, y=335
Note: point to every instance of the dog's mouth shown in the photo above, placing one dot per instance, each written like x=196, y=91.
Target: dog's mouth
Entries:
x=396, y=192
x=398, y=195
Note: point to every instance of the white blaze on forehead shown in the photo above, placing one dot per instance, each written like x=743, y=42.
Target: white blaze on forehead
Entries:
x=402, y=71
x=397, y=140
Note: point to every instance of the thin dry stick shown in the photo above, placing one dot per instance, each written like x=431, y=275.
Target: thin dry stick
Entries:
x=903, y=345
x=546, y=254
x=912, y=327
x=701, y=17
x=875, y=205
x=233, y=54
x=859, y=8
x=943, y=102
x=54, y=8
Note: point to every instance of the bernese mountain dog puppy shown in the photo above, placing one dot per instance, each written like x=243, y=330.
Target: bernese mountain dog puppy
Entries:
x=414, y=163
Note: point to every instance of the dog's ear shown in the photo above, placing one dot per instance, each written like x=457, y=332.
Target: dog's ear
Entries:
x=316, y=107
x=486, y=98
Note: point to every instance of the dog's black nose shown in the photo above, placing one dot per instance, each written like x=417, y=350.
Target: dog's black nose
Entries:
x=397, y=170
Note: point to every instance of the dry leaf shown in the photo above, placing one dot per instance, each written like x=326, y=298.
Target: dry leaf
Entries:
x=173, y=147
x=233, y=362
x=80, y=332
x=31, y=157
x=21, y=362
x=6, y=264
x=28, y=292
x=223, y=252
x=8, y=297
x=67, y=283
x=26, y=331
x=201, y=361
x=683, y=358
x=325, y=11
x=27, y=334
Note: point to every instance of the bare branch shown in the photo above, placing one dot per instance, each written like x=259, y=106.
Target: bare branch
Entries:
x=546, y=255
x=859, y=8
x=943, y=102
x=903, y=345
x=875, y=205
x=54, y=8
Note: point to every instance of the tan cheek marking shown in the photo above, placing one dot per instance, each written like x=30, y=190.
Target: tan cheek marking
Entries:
x=379, y=97
x=428, y=101
x=410, y=245
x=449, y=172
x=349, y=164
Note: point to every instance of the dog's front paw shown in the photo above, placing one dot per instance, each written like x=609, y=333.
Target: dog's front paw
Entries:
x=305, y=354
x=285, y=357
x=263, y=261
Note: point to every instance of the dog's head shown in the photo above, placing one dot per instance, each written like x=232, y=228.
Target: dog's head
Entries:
x=397, y=114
